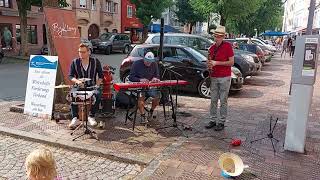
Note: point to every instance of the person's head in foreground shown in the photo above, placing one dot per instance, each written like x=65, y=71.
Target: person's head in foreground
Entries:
x=149, y=59
x=41, y=165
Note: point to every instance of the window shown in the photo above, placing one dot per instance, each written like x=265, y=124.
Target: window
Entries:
x=178, y=40
x=129, y=11
x=79, y=29
x=181, y=54
x=93, y=4
x=115, y=8
x=83, y=3
x=5, y=3
x=31, y=34
x=108, y=6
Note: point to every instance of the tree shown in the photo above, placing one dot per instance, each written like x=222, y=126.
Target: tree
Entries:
x=23, y=7
x=267, y=17
x=229, y=10
x=146, y=10
x=187, y=14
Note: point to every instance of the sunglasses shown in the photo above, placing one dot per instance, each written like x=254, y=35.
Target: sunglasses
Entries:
x=82, y=52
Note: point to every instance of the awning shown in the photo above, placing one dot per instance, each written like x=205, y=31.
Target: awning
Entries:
x=155, y=28
x=274, y=33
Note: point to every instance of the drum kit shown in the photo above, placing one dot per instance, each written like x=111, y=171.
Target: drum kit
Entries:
x=84, y=97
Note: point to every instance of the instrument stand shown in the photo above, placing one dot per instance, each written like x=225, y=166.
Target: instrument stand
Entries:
x=87, y=130
x=270, y=134
x=173, y=106
x=174, y=117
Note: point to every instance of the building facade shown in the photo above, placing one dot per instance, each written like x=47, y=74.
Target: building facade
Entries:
x=130, y=24
x=95, y=17
x=296, y=14
x=10, y=22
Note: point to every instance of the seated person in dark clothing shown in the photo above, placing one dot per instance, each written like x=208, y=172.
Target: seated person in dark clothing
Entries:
x=86, y=67
x=146, y=70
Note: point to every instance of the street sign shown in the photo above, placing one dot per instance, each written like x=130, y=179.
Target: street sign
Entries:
x=40, y=86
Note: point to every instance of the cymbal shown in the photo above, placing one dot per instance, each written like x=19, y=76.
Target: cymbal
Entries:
x=85, y=79
x=62, y=86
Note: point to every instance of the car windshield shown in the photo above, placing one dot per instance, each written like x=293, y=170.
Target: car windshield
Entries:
x=200, y=57
x=106, y=36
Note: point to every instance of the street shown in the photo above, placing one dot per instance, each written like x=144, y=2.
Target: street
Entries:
x=13, y=77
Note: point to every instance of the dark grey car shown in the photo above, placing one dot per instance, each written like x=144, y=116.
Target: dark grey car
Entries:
x=109, y=42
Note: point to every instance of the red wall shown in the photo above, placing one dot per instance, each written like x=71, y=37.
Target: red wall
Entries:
x=128, y=22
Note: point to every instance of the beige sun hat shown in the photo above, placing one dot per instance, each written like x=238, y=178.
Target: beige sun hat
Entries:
x=231, y=164
x=220, y=30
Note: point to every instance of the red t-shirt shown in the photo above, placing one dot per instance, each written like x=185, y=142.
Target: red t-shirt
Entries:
x=223, y=54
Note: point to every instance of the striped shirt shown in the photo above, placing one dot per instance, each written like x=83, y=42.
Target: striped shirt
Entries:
x=78, y=71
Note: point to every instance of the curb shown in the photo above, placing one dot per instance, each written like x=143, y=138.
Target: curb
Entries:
x=78, y=147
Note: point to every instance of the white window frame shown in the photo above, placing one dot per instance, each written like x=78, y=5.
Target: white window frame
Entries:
x=108, y=6
x=115, y=8
x=128, y=8
x=83, y=3
x=94, y=5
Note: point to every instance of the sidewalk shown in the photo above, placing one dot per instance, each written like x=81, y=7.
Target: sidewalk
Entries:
x=166, y=154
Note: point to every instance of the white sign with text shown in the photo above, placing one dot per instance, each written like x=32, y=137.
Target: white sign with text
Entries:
x=40, y=86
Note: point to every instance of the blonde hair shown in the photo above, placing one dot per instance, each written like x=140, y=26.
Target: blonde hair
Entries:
x=40, y=164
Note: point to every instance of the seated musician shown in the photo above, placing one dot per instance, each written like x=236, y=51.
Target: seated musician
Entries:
x=146, y=70
x=86, y=67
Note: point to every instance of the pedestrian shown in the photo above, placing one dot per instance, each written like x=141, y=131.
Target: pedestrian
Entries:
x=220, y=61
x=284, y=47
x=293, y=46
x=40, y=165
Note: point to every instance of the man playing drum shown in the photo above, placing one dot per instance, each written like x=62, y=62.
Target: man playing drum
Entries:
x=81, y=68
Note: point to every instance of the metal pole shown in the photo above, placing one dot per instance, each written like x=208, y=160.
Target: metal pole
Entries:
x=311, y=15
x=161, y=40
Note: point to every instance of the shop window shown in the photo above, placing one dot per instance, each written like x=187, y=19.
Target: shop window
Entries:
x=31, y=34
x=5, y=3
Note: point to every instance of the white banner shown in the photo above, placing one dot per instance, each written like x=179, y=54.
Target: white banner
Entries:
x=40, y=86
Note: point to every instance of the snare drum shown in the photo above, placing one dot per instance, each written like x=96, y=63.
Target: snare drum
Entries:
x=78, y=97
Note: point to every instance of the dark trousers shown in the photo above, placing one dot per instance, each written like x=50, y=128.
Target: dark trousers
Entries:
x=292, y=51
x=94, y=108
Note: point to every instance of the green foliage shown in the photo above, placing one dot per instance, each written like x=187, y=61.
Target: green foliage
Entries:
x=146, y=10
x=187, y=14
x=268, y=16
x=229, y=10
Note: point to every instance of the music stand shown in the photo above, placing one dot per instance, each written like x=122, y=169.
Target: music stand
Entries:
x=87, y=130
x=270, y=134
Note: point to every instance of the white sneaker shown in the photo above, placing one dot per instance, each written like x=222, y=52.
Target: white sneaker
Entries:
x=74, y=122
x=92, y=121
x=101, y=124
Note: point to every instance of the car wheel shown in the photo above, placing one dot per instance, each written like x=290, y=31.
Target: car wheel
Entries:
x=126, y=49
x=204, y=88
x=125, y=77
x=108, y=50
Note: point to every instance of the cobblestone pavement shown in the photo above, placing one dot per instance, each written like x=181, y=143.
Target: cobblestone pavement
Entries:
x=171, y=156
x=70, y=164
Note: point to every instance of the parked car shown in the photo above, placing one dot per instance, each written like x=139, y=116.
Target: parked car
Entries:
x=88, y=43
x=188, y=62
x=1, y=54
x=252, y=59
x=255, y=49
x=109, y=42
x=190, y=40
x=258, y=42
x=201, y=44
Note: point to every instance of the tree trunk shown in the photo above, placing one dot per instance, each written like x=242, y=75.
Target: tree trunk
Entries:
x=223, y=20
x=23, y=27
x=190, y=28
x=145, y=33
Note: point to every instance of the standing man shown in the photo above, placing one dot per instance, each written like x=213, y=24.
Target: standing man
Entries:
x=293, y=46
x=220, y=60
x=86, y=67
x=146, y=70
x=284, y=46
